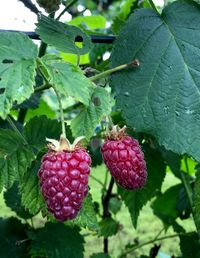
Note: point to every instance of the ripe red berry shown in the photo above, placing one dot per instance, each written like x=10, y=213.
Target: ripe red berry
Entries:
x=63, y=179
x=125, y=160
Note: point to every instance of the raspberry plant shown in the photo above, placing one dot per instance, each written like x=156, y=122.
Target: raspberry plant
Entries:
x=59, y=207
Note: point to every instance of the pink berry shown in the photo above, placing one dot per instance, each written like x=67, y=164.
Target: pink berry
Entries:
x=125, y=160
x=63, y=177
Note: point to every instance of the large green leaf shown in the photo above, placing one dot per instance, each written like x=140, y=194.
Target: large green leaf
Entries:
x=15, y=157
x=196, y=208
x=58, y=241
x=69, y=80
x=190, y=246
x=17, y=69
x=135, y=200
x=89, y=117
x=39, y=128
x=167, y=212
x=62, y=36
x=87, y=217
x=162, y=96
x=12, y=230
x=29, y=188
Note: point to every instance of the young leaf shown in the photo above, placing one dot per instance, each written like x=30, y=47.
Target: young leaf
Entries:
x=29, y=189
x=161, y=96
x=196, y=208
x=12, y=230
x=87, y=120
x=190, y=246
x=58, y=241
x=108, y=227
x=13, y=200
x=15, y=157
x=135, y=200
x=69, y=80
x=62, y=36
x=17, y=69
x=87, y=216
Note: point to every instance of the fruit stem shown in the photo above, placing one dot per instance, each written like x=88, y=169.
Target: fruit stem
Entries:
x=154, y=7
x=106, y=213
x=66, y=8
x=61, y=112
x=133, y=63
x=130, y=250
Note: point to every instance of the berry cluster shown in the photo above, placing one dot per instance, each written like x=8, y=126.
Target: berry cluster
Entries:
x=125, y=161
x=64, y=181
x=65, y=170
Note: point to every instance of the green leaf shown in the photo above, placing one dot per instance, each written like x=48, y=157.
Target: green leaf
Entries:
x=29, y=189
x=17, y=69
x=87, y=217
x=161, y=96
x=12, y=230
x=190, y=246
x=167, y=212
x=87, y=120
x=59, y=241
x=15, y=158
x=115, y=205
x=92, y=22
x=100, y=255
x=69, y=80
x=13, y=200
x=135, y=200
x=196, y=196
x=62, y=36
x=39, y=128
x=108, y=227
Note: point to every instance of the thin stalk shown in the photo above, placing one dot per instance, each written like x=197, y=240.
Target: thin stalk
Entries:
x=151, y=242
x=159, y=233
x=16, y=129
x=61, y=112
x=134, y=63
x=66, y=8
x=43, y=87
x=186, y=183
x=153, y=6
x=97, y=180
x=78, y=59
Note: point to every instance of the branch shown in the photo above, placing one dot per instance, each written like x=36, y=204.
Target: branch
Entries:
x=30, y=6
x=151, y=242
x=106, y=213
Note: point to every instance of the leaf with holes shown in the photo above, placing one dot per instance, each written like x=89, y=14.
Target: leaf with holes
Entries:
x=63, y=36
x=135, y=200
x=89, y=117
x=162, y=95
x=69, y=79
x=17, y=69
x=15, y=158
